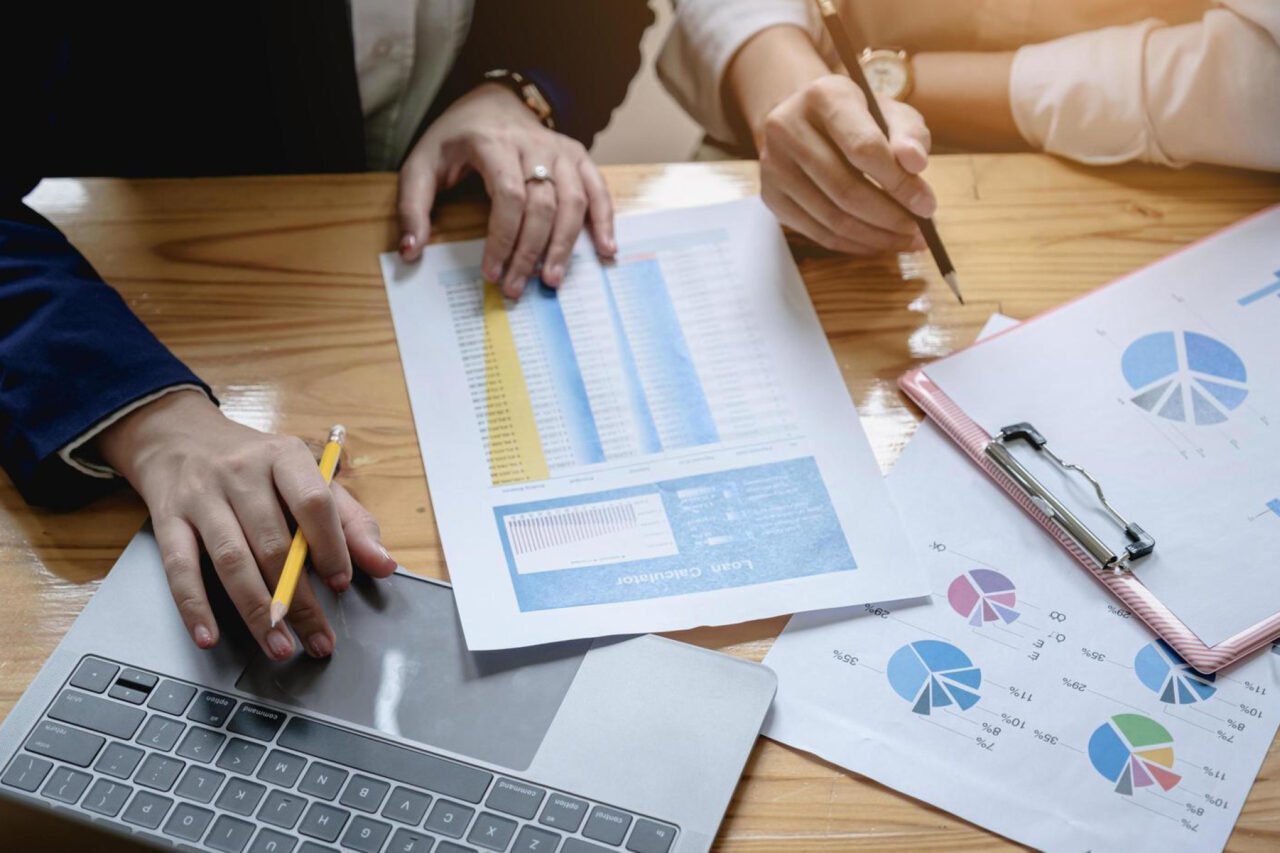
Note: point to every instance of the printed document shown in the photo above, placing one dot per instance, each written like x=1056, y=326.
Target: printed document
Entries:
x=664, y=442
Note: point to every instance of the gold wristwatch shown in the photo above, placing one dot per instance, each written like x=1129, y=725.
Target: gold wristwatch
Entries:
x=526, y=90
x=888, y=72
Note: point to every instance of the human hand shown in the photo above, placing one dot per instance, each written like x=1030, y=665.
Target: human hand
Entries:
x=819, y=147
x=210, y=481
x=491, y=132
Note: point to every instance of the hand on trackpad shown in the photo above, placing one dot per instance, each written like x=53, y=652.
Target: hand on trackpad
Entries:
x=402, y=667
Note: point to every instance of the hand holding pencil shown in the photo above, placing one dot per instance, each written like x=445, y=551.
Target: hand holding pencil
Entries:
x=282, y=599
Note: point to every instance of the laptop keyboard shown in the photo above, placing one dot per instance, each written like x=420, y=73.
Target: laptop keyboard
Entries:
x=200, y=770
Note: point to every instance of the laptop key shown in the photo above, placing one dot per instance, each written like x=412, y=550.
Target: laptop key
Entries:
x=159, y=772
x=406, y=806
x=450, y=847
x=534, y=840
x=419, y=769
x=282, y=809
x=200, y=784
x=188, y=822
x=651, y=837
x=364, y=793
x=256, y=722
x=160, y=733
x=515, y=798
x=607, y=825
x=26, y=772
x=66, y=785
x=125, y=693
x=241, y=756
x=229, y=834
x=63, y=743
x=410, y=841
x=282, y=768
x=171, y=697
x=563, y=812
x=94, y=675
x=118, y=760
x=138, y=679
x=312, y=847
x=577, y=845
x=211, y=709
x=96, y=714
x=449, y=818
x=324, y=822
x=366, y=834
x=201, y=744
x=106, y=797
x=270, y=841
x=240, y=796
x=147, y=809
x=492, y=832
x=322, y=781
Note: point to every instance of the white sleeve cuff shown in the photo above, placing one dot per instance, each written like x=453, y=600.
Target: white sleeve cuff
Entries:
x=706, y=36
x=1083, y=96
x=71, y=452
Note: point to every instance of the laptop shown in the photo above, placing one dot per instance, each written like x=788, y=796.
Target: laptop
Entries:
x=403, y=741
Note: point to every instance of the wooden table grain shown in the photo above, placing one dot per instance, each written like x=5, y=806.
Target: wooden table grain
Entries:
x=269, y=288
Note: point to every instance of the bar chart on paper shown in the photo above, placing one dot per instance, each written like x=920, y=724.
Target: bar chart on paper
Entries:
x=639, y=358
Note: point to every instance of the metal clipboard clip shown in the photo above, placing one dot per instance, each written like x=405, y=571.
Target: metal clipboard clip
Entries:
x=1140, y=542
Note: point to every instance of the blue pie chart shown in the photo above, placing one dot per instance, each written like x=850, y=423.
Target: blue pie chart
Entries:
x=932, y=674
x=1185, y=376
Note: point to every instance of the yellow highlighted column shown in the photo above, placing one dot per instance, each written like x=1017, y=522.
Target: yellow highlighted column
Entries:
x=515, y=449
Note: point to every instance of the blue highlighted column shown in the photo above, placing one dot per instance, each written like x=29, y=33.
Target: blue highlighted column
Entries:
x=566, y=376
x=673, y=397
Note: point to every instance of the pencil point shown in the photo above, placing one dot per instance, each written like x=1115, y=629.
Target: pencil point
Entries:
x=953, y=282
x=278, y=610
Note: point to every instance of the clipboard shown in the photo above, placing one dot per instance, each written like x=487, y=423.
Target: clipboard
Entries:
x=1114, y=569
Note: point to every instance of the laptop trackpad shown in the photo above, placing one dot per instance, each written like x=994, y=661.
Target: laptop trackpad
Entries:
x=403, y=668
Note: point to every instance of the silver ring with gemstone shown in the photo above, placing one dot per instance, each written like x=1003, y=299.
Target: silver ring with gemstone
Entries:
x=541, y=174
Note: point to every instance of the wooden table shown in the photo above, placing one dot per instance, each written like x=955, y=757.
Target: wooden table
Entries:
x=269, y=288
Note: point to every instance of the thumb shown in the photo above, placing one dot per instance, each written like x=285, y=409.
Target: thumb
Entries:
x=417, y=193
x=909, y=137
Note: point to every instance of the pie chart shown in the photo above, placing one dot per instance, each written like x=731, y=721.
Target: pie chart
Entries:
x=932, y=674
x=983, y=595
x=1185, y=376
x=1134, y=752
x=1166, y=674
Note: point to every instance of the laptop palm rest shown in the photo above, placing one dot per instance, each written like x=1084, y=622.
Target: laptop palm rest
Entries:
x=402, y=667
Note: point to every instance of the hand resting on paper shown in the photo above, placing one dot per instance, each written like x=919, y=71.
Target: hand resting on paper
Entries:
x=210, y=482
x=489, y=131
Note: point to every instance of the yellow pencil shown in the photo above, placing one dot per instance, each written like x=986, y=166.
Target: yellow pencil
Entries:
x=298, y=550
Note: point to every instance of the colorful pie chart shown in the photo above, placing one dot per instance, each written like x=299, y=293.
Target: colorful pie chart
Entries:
x=1166, y=674
x=1133, y=751
x=983, y=595
x=1185, y=376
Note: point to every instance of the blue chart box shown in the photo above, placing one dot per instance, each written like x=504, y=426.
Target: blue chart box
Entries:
x=734, y=528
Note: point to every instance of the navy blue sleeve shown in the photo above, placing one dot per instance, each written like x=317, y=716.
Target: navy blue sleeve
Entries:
x=71, y=354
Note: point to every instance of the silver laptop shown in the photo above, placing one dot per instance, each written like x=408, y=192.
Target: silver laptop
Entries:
x=404, y=741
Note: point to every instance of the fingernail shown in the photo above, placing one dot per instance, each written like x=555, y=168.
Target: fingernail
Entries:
x=340, y=583
x=512, y=290
x=279, y=644
x=611, y=246
x=918, y=147
x=203, y=636
x=319, y=645
x=407, y=242
x=385, y=555
x=923, y=203
x=553, y=273
x=493, y=272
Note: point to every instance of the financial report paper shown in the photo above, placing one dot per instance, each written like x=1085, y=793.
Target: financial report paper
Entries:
x=1024, y=698
x=664, y=442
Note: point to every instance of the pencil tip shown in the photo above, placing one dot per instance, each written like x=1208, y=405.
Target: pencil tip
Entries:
x=953, y=281
x=278, y=610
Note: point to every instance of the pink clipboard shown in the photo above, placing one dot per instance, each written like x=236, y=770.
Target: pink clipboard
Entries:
x=1125, y=586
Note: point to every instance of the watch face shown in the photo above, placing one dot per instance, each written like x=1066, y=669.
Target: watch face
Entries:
x=886, y=74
